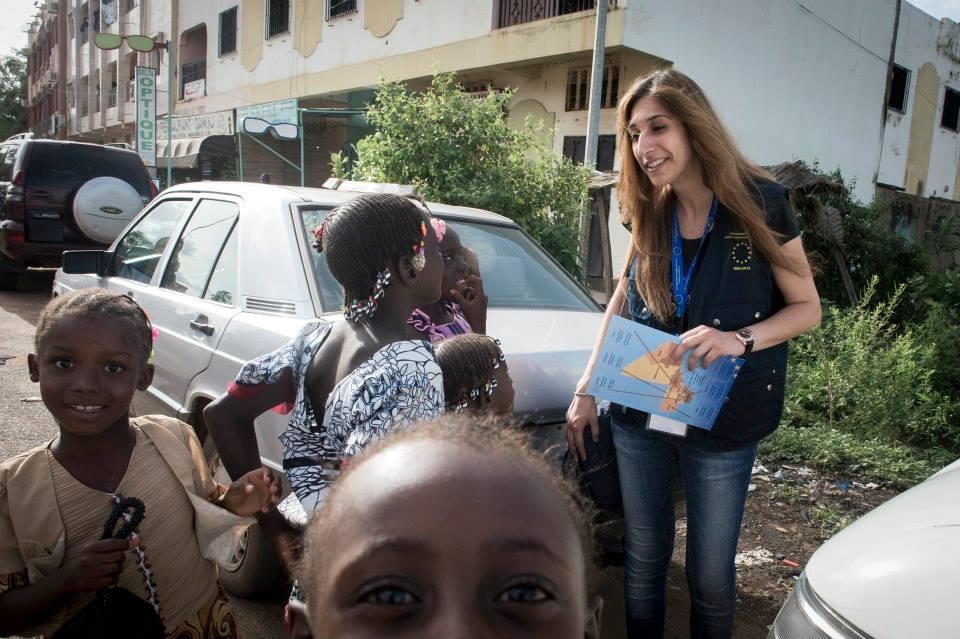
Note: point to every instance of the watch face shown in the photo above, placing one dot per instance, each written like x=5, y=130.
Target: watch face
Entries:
x=746, y=334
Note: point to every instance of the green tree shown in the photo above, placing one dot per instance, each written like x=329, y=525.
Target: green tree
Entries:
x=458, y=149
x=13, y=93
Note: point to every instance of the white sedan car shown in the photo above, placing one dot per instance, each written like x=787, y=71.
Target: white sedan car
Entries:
x=226, y=273
x=892, y=574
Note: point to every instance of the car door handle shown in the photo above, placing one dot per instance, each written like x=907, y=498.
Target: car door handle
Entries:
x=206, y=329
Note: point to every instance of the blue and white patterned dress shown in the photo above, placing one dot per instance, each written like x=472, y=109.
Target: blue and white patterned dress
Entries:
x=399, y=385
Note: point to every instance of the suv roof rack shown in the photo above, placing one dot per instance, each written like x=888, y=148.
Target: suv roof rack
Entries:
x=338, y=184
x=20, y=136
x=120, y=145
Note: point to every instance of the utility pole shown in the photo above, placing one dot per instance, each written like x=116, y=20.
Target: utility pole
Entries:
x=593, y=124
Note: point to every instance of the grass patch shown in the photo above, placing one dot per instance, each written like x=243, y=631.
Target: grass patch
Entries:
x=845, y=454
x=829, y=520
x=787, y=493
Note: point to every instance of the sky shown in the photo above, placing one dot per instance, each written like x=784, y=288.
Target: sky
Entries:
x=17, y=14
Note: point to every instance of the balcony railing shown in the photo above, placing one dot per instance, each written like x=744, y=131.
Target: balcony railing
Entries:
x=196, y=70
x=512, y=12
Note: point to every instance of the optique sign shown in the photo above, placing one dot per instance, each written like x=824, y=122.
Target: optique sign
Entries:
x=147, y=115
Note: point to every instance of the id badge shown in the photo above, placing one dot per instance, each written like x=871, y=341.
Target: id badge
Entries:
x=666, y=425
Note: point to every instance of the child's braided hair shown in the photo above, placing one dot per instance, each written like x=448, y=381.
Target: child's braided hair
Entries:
x=96, y=303
x=468, y=363
x=365, y=236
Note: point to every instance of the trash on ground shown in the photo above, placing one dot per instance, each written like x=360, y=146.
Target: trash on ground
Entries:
x=32, y=399
x=754, y=557
x=843, y=485
x=791, y=563
x=751, y=488
x=759, y=468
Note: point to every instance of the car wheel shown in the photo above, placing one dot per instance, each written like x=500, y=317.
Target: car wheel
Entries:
x=8, y=281
x=254, y=570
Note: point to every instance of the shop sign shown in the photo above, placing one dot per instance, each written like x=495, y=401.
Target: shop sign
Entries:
x=193, y=90
x=198, y=126
x=147, y=115
x=279, y=112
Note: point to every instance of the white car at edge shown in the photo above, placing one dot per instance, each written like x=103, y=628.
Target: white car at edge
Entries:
x=892, y=574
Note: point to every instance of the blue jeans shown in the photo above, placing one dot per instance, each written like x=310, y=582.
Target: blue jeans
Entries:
x=716, y=488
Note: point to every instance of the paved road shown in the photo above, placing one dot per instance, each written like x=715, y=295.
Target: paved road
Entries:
x=24, y=423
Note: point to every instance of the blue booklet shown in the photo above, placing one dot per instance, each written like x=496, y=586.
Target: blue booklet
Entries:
x=635, y=369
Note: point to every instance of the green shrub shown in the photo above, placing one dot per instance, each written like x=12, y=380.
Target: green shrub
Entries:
x=458, y=149
x=871, y=249
x=860, y=374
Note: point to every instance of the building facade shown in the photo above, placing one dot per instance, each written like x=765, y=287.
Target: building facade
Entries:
x=921, y=134
x=791, y=80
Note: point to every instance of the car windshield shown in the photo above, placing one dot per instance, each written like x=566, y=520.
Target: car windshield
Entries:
x=516, y=272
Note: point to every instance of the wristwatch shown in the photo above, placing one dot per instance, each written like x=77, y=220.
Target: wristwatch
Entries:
x=745, y=336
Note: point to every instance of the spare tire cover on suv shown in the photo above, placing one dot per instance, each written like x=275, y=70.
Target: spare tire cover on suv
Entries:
x=103, y=206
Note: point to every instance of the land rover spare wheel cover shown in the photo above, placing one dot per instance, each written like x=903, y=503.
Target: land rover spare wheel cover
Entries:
x=103, y=206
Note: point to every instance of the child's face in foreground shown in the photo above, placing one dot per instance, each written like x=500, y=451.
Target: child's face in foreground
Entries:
x=88, y=369
x=433, y=539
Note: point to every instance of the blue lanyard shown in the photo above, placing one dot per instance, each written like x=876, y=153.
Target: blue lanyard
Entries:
x=680, y=280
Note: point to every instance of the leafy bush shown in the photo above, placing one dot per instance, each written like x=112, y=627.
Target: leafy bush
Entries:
x=859, y=374
x=458, y=149
x=871, y=250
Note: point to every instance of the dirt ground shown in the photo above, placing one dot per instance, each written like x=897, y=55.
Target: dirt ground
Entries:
x=790, y=512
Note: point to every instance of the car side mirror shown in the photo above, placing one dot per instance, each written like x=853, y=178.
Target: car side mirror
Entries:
x=86, y=262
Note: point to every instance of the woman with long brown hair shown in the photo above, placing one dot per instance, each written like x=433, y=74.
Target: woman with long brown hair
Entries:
x=715, y=258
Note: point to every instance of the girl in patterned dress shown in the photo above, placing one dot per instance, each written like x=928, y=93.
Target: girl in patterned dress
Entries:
x=92, y=350
x=344, y=383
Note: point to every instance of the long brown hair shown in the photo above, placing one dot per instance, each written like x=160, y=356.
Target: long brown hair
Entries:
x=726, y=172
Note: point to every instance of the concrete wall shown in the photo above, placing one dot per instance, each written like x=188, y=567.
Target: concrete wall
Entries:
x=918, y=154
x=918, y=219
x=788, y=83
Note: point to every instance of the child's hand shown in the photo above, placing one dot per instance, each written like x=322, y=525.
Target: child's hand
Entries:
x=472, y=300
x=257, y=491
x=98, y=566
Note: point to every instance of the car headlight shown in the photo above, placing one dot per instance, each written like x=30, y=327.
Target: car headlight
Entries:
x=805, y=616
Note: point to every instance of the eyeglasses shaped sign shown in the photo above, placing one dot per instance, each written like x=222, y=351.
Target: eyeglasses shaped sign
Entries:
x=279, y=130
x=113, y=41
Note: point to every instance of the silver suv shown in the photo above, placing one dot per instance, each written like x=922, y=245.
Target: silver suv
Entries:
x=226, y=273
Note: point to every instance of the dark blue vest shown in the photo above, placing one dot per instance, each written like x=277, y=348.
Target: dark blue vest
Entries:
x=733, y=287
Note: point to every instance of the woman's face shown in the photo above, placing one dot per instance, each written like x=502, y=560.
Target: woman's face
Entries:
x=433, y=539
x=660, y=144
x=454, y=260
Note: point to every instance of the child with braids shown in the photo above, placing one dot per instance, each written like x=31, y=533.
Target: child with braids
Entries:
x=462, y=307
x=475, y=375
x=58, y=547
x=345, y=383
x=451, y=529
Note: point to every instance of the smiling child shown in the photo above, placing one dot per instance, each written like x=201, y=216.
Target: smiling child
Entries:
x=92, y=351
